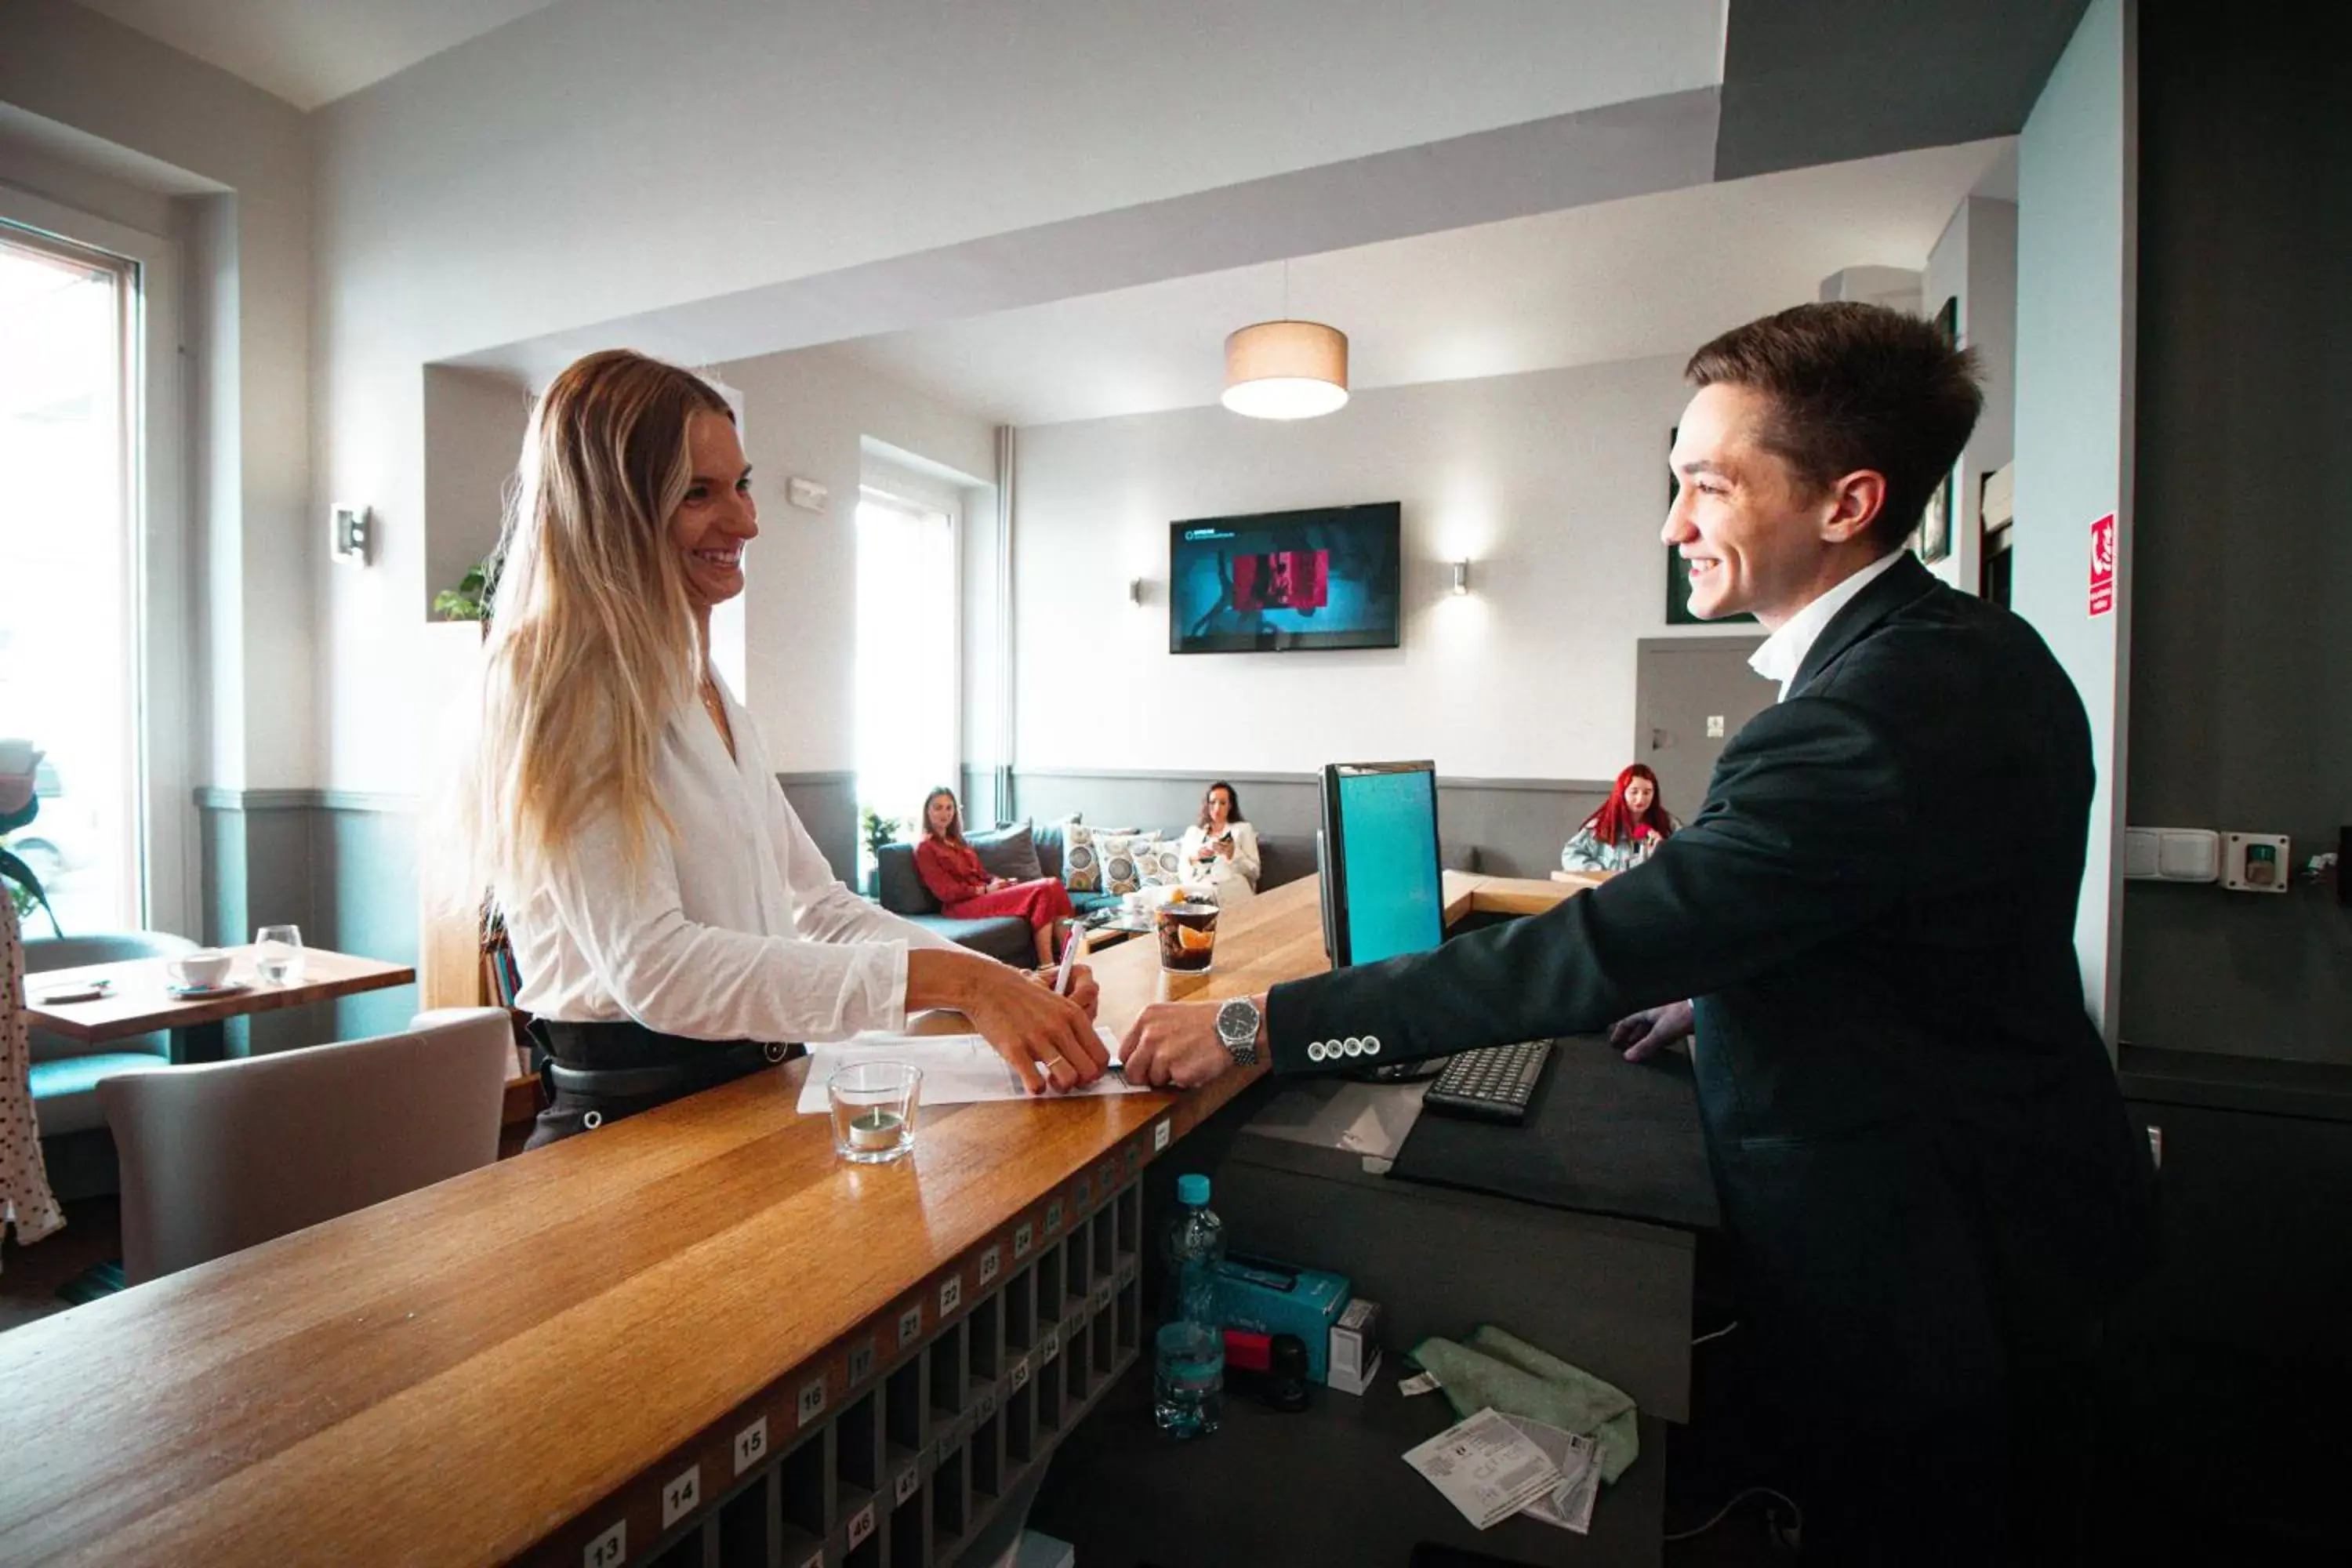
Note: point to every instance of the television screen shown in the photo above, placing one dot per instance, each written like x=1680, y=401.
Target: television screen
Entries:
x=1283, y=579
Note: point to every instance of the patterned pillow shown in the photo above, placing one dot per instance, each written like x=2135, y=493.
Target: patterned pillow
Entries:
x=1082, y=864
x=1124, y=858
x=1162, y=863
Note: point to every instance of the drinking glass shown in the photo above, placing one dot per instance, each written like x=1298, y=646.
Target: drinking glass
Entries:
x=278, y=954
x=874, y=1106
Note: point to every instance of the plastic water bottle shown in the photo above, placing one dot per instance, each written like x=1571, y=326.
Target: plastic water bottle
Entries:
x=1188, y=1384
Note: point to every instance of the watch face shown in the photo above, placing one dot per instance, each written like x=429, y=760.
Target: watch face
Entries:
x=1237, y=1023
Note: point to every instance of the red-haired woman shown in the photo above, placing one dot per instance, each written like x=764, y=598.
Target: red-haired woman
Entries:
x=950, y=868
x=1630, y=823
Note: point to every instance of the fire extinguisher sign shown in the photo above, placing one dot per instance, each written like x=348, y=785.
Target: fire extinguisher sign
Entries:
x=2103, y=565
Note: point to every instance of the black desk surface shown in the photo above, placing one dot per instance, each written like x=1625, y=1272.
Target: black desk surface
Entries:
x=1603, y=1136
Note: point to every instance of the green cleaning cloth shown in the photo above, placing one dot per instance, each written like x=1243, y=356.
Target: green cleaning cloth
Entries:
x=1498, y=1369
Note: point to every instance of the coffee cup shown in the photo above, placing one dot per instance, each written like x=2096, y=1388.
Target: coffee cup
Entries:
x=198, y=971
x=1188, y=936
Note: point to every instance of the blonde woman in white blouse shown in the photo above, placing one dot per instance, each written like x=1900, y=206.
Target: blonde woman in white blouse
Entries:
x=674, y=925
x=1219, y=851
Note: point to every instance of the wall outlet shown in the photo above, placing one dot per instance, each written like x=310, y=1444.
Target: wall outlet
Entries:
x=2255, y=862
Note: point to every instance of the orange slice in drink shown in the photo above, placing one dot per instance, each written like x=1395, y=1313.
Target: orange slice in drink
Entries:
x=1192, y=939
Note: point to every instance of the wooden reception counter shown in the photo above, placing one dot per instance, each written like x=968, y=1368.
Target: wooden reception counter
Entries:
x=692, y=1337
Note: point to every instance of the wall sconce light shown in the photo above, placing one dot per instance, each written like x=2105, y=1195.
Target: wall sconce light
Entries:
x=1462, y=576
x=351, y=531
x=1135, y=592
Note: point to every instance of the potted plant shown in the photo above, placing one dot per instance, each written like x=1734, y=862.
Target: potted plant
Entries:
x=20, y=764
x=878, y=830
x=470, y=599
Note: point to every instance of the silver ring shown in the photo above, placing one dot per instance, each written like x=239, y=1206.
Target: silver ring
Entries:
x=592, y=1120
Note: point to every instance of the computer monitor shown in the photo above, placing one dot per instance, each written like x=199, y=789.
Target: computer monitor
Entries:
x=1384, y=891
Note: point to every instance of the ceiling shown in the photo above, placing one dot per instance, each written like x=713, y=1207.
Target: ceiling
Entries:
x=310, y=52
x=1625, y=280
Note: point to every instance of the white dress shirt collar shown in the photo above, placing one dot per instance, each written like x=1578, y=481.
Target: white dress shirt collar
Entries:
x=1783, y=653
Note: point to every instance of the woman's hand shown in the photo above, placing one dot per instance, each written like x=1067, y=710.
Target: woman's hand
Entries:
x=1082, y=989
x=1645, y=1034
x=1027, y=1024
x=998, y=884
x=1224, y=847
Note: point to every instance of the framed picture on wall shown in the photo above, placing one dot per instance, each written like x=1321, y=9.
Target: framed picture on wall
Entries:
x=1678, y=610
x=1933, y=539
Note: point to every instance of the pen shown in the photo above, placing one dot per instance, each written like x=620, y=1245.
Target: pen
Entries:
x=1070, y=956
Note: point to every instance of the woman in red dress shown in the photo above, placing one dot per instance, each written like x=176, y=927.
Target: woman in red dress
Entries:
x=952, y=871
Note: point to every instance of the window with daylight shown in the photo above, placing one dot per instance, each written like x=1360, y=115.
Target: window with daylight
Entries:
x=908, y=739
x=70, y=571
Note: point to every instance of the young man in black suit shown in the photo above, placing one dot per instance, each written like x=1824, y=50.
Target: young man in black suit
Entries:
x=1917, y=1140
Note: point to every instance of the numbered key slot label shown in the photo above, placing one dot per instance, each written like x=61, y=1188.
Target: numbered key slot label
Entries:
x=812, y=1400
x=861, y=1525
x=750, y=1445
x=1024, y=1236
x=951, y=1294
x=683, y=1494
x=910, y=1325
x=861, y=1361
x=904, y=1487
x=609, y=1549
x=1052, y=1217
x=991, y=1263
x=1161, y=1131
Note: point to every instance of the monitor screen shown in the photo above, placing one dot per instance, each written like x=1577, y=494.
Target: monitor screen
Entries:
x=1278, y=581
x=1387, y=889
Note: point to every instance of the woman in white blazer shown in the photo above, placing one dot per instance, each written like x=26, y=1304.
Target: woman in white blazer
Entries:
x=674, y=925
x=1220, y=849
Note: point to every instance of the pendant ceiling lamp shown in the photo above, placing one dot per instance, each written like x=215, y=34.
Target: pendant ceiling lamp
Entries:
x=1286, y=369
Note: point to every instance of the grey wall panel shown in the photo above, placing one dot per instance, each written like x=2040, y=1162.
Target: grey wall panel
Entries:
x=2241, y=645
x=364, y=895
x=826, y=804
x=1517, y=825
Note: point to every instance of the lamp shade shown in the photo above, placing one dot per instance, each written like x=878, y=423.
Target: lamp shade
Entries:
x=1286, y=370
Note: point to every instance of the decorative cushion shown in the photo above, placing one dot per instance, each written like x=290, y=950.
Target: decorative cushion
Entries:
x=1162, y=863
x=1082, y=868
x=1124, y=856
x=1009, y=852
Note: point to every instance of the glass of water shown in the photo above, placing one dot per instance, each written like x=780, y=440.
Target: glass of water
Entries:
x=874, y=1106
x=278, y=954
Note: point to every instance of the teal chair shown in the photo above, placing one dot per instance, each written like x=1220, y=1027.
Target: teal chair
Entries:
x=65, y=1073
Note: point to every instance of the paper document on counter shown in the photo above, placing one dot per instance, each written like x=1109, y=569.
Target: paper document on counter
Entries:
x=1568, y=1502
x=958, y=1069
x=1486, y=1467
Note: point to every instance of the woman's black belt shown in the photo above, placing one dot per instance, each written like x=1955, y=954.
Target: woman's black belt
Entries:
x=628, y=1061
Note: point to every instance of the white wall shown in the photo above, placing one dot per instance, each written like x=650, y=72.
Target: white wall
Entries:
x=1975, y=262
x=2076, y=263
x=1553, y=483
x=248, y=284
x=809, y=416
x=474, y=425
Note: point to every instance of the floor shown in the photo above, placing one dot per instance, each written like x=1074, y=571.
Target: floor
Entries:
x=30, y=1277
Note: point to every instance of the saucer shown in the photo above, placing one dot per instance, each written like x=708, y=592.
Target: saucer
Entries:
x=204, y=993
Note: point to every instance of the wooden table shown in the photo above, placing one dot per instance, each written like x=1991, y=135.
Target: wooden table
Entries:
x=139, y=1003
x=694, y=1321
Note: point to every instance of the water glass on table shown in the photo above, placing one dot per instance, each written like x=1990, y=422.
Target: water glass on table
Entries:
x=874, y=1106
x=278, y=954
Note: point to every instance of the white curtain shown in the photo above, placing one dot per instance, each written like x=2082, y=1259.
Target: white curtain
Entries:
x=908, y=679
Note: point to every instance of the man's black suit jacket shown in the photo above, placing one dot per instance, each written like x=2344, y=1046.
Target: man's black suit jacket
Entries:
x=1917, y=1140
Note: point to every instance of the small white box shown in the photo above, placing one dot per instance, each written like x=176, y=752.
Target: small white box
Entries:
x=1355, y=1359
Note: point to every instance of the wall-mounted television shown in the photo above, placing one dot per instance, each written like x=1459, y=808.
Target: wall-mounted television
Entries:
x=1275, y=582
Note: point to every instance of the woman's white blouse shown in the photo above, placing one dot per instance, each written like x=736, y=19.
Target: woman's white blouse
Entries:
x=734, y=928
x=1221, y=872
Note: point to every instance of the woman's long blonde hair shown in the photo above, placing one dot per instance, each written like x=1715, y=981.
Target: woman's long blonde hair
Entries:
x=593, y=644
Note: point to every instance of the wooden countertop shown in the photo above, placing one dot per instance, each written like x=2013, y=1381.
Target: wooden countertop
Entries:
x=463, y=1374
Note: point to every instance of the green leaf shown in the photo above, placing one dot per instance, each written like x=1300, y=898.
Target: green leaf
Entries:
x=15, y=870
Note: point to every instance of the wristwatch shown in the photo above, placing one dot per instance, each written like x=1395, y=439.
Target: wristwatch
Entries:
x=1237, y=1023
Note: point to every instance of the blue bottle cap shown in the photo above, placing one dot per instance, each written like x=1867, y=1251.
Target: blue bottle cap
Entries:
x=1192, y=1190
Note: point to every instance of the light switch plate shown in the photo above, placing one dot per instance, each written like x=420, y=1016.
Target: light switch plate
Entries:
x=806, y=494
x=349, y=533
x=1715, y=726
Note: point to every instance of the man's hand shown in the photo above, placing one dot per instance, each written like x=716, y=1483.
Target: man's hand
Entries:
x=1645, y=1034
x=1082, y=989
x=1174, y=1044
